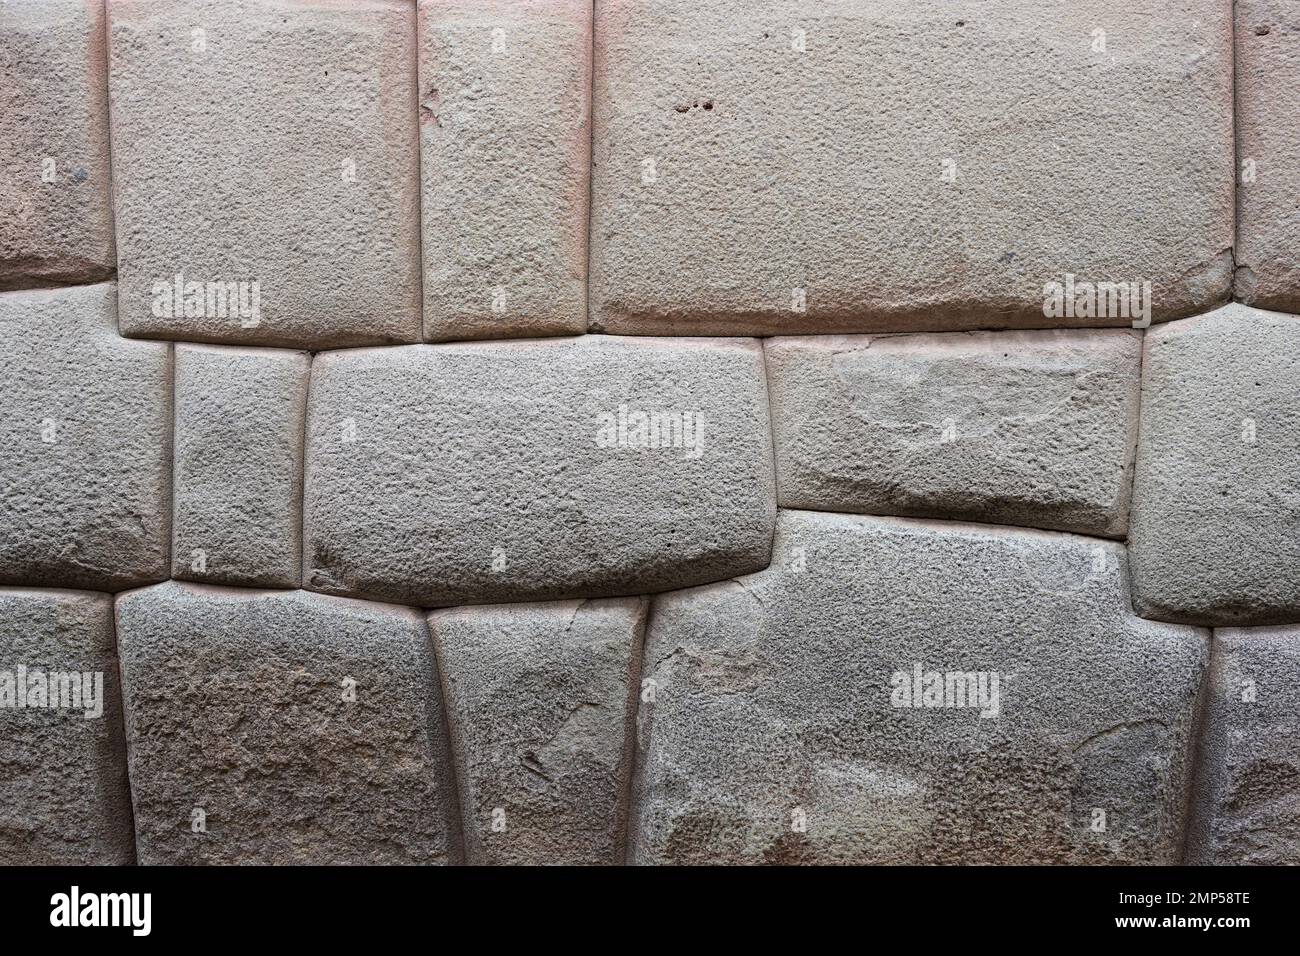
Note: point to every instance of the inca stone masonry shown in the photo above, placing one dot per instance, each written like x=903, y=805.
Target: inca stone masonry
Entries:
x=650, y=431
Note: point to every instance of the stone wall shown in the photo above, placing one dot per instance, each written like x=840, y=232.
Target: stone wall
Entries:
x=653, y=431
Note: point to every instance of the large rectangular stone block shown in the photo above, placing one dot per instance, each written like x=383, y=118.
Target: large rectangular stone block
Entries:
x=769, y=166
x=266, y=167
x=1025, y=428
x=1268, y=153
x=894, y=690
x=64, y=798
x=283, y=727
x=541, y=699
x=1247, y=793
x=85, y=444
x=56, y=218
x=513, y=471
x=1215, y=532
x=505, y=105
x=239, y=447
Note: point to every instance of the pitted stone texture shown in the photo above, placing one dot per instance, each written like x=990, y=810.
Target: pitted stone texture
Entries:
x=85, y=444
x=1024, y=428
x=239, y=446
x=237, y=705
x=479, y=473
x=56, y=220
x=63, y=787
x=1268, y=153
x=1247, y=792
x=1215, y=533
x=541, y=699
x=269, y=142
x=774, y=735
x=505, y=105
x=921, y=166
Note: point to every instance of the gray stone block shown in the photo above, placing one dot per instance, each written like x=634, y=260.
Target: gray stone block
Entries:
x=1268, y=153
x=481, y=473
x=56, y=217
x=505, y=136
x=266, y=164
x=85, y=444
x=283, y=727
x=238, y=484
x=541, y=699
x=1247, y=794
x=64, y=798
x=1024, y=428
x=774, y=167
x=1215, y=532
x=894, y=690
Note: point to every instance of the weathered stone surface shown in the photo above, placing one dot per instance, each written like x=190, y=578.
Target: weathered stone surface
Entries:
x=920, y=166
x=776, y=734
x=239, y=446
x=1025, y=428
x=239, y=717
x=56, y=219
x=1247, y=794
x=63, y=786
x=85, y=444
x=1215, y=533
x=271, y=143
x=478, y=473
x=505, y=103
x=541, y=699
x=1268, y=153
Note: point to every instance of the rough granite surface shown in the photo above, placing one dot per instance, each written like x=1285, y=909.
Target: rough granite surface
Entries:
x=85, y=444
x=1268, y=153
x=512, y=471
x=64, y=796
x=283, y=727
x=56, y=217
x=1248, y=788
x=771, y=167
x=1215, y=534
x=795, y=719
x=1023, y=428
x=240, y=415
x=307, y=186
x=541, y=699
x=505, y=135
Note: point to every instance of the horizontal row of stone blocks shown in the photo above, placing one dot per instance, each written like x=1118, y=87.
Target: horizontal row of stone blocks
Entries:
x=888, y=690
x=599, y=466
x=318, y=175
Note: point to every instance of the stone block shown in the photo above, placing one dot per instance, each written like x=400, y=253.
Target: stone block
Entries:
x=1023, y=428
x=56, y=215
x=266, y=164
x=1247, y=794
x=773, y=167
x=1215, y=535
x=894, y=690
x=282, y=727
x=541, y=699
x=64, y=798
x=481, y=473
x=239, y=447
x=85, y=444
x=505, y=142
x=1268, y=153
